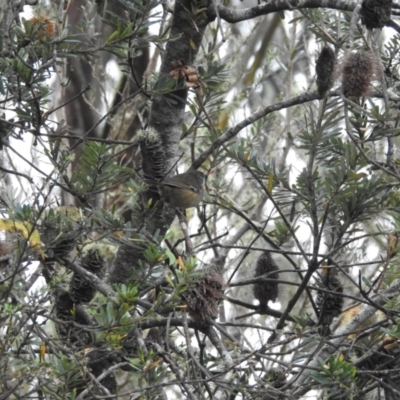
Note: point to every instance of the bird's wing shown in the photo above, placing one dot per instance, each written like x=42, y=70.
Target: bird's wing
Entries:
x=180, y=186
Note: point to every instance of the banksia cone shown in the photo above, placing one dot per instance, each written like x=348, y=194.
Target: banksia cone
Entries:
x=100, y=360
x=202, y=300
x=358, y=70
x=325, y=70
x=130, y=345
x=329, y=305
x=376, y=13
x=154, y=336
x=110, y=383
x=68, y=313
x=81, y=290
x=60, y=231
x=58, y=243
x=268, y=290
x=59, y=250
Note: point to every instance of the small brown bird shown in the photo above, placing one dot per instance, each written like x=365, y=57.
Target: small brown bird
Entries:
x=183, y=190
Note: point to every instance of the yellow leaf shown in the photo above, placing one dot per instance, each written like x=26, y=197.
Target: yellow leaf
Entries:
x=149, y=202
x=270, y=182
x=223, y=119
x=71, y=212
x=181, y=264
x=150, y=365
x=360, y=175
x=26, y=230
x=118, y=234
x=87, y=350
x=42, y=351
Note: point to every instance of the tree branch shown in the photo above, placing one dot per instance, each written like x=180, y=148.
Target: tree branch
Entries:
x=233, y=16
x=232, y=132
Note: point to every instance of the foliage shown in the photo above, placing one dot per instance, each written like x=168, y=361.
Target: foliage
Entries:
x=102, y=295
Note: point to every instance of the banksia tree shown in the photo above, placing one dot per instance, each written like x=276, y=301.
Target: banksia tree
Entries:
x=325, y=70
x=358, y=71
x=268, y=290
x=81, y=290
x=315, y=179
x=328, y=303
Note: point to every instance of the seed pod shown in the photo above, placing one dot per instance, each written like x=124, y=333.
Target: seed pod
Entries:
x=358, y=71
x=60, y=232
x=58, y=243
x=96, y=367
x=325, y=69
x=130, y=344
x=110, y=383
x=81, y=290
x=154, y=336
x=203, y=298
x=268, y=290
x=329, y=305
x=68, y=313
x=376, y=13
x=99, y=359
